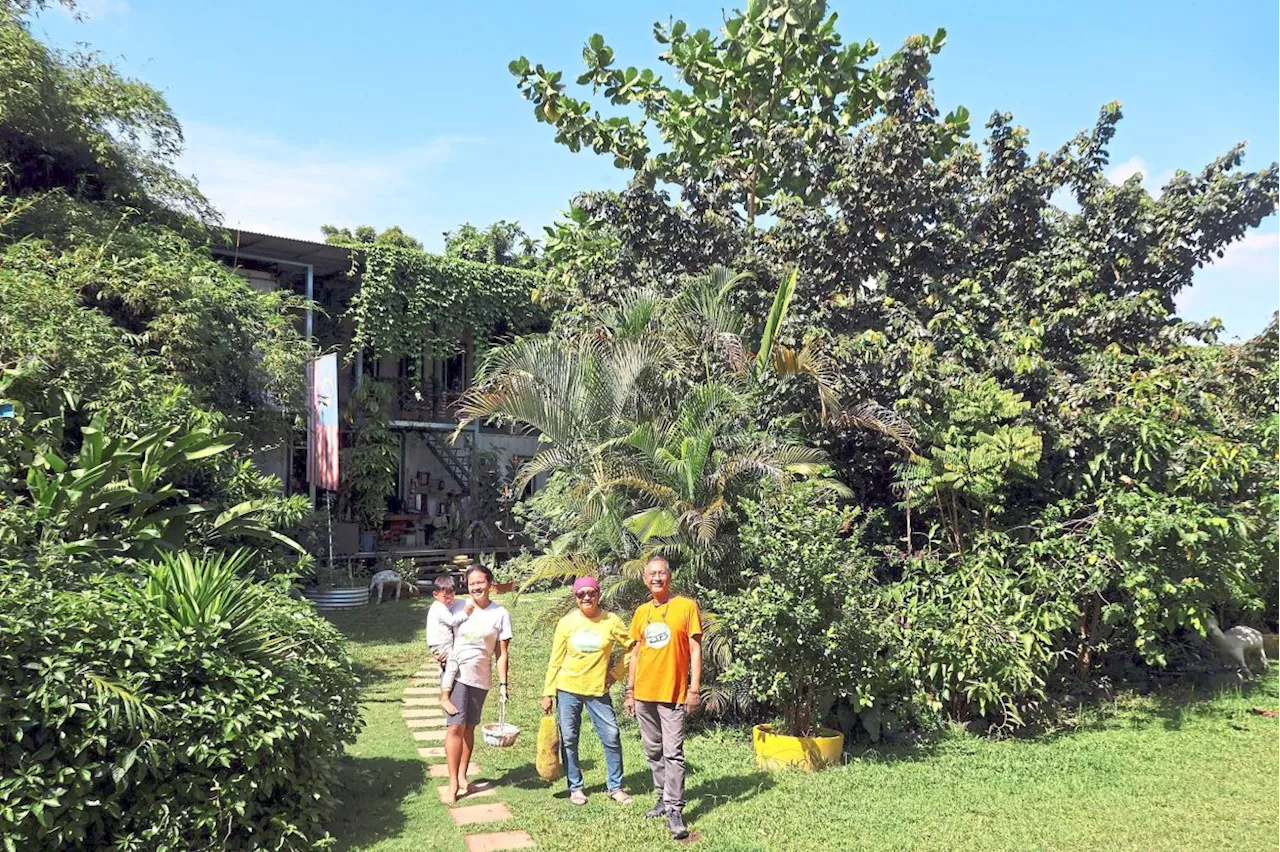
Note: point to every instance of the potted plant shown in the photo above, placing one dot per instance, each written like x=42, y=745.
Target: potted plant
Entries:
x=339, y=588
x=504, y=578
x=804, y=625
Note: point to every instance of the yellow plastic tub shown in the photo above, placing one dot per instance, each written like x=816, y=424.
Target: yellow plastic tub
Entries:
x=774, y=750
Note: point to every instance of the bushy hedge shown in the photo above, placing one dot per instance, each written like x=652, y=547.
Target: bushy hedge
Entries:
x=121, y=730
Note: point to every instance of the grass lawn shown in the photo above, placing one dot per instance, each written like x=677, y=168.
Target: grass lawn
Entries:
x=1148, y=774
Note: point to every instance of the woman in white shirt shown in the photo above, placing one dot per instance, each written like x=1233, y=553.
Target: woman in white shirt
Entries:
x=484, y=636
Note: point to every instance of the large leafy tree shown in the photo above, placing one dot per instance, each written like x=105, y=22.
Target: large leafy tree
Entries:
x=776, y=80
x=108, y=293
x=1032, y=343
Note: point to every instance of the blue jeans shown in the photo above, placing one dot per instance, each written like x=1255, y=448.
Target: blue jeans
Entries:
x=600, y=708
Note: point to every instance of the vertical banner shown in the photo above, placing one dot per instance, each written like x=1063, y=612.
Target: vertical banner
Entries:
x=322, y=449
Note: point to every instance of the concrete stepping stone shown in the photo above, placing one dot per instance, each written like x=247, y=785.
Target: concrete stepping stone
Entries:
x=429, y=736
x=433, y=722
x=441, y=770
x=491, y=791
x=432, y=751
x=420, y=701
x=422, y=690
x=495, y=841
x=426, y=675
x=481, y=813
x=422, y=713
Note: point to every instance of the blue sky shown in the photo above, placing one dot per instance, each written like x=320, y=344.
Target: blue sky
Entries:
x=304, y=113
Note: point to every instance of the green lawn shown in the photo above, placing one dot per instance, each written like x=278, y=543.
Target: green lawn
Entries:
x=1149, y=774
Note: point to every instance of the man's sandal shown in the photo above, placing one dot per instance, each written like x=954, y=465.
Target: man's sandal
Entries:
x=620, y=797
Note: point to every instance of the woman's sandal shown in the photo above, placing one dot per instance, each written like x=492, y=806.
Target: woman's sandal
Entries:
x=620, y=797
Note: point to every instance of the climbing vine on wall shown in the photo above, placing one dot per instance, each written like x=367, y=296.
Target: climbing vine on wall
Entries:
x=411, y=302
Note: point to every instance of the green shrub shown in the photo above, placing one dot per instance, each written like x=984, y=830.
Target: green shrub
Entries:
x=807, y=627
x=979, y=639
x=133, y=718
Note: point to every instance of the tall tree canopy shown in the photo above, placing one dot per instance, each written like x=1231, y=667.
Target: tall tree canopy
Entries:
x=1087, y=469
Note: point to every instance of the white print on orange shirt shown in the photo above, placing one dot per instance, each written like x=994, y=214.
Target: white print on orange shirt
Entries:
x=657, y=635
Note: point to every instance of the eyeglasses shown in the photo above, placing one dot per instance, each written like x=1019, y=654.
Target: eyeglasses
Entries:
x=586, y=593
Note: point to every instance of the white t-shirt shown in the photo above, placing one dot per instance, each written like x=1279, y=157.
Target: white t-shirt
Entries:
x=442, y=622
x=477, y=643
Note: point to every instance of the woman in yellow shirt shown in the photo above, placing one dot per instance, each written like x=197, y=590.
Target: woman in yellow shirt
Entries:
x=579, y=676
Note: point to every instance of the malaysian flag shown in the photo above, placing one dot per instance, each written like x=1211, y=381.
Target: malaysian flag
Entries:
x=322, y=450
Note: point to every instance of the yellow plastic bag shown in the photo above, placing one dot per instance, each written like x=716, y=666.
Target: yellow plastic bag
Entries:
x=548, y=760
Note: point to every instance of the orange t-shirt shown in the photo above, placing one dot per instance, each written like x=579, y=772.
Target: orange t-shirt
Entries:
x=662, y=634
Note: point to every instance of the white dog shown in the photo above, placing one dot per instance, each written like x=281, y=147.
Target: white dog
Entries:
x=386, y=579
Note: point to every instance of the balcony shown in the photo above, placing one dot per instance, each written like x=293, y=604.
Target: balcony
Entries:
x=423, y=400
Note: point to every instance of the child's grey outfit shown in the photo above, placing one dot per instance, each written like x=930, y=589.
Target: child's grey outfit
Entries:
x=442, y=628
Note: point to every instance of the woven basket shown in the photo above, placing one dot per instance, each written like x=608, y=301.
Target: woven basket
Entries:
x=499, y=734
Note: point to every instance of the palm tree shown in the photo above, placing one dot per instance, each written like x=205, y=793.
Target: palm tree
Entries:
x=652, y=414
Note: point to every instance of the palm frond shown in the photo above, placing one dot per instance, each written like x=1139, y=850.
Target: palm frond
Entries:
x=122, y=700
x=877, y=418
x=777, y=313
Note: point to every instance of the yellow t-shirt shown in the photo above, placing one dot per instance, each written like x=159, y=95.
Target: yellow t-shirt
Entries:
x=580, y=653
x=663, y=631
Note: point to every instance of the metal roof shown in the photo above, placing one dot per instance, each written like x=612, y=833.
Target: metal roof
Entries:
x=326, y=259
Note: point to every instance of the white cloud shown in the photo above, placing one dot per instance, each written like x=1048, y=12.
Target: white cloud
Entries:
x=1242, y=287
x=264, y=184
x=95, y=10
x=1254, y=252
x=1121, y=172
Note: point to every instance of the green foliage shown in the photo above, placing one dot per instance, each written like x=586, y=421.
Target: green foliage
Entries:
x=970, y=454
x=69, y=122
x=807, y=626
x=650, y=419
x=980, y=637
x=149, y=718
x=366, y=234
x=778, y=76
x=115, y=502
x=173, y=328
x=372, y=461
x=412, y=303
x=1065, y=468
x=501, y=244
x=107, y=289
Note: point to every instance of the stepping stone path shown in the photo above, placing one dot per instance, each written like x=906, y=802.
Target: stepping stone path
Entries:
x=433, y=722
x=467, y=814
x=492, y=791
x=425, y=720
x=494, y=841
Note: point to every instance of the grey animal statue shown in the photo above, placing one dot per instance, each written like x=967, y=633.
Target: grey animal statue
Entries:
x=1239, y=645
x=391, y=580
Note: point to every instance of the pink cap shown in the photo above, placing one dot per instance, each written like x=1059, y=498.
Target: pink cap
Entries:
x=585, y=583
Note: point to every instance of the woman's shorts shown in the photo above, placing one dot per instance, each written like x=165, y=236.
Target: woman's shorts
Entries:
x=470, y=703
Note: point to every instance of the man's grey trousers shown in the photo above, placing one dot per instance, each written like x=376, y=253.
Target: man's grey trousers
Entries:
x=662, y=732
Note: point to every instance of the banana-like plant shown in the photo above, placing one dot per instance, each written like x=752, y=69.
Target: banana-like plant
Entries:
x=118, y=498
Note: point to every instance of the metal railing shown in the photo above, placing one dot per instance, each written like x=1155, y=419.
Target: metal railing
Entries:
x=423, y=399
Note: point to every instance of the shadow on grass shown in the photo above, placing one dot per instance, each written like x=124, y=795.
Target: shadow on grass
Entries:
x=387, y=623
x=1176, y=701
x=372, y=789
x=703, y=797
x=1168, y=700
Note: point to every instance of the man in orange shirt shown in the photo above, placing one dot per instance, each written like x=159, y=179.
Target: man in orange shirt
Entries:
x=665, y=682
